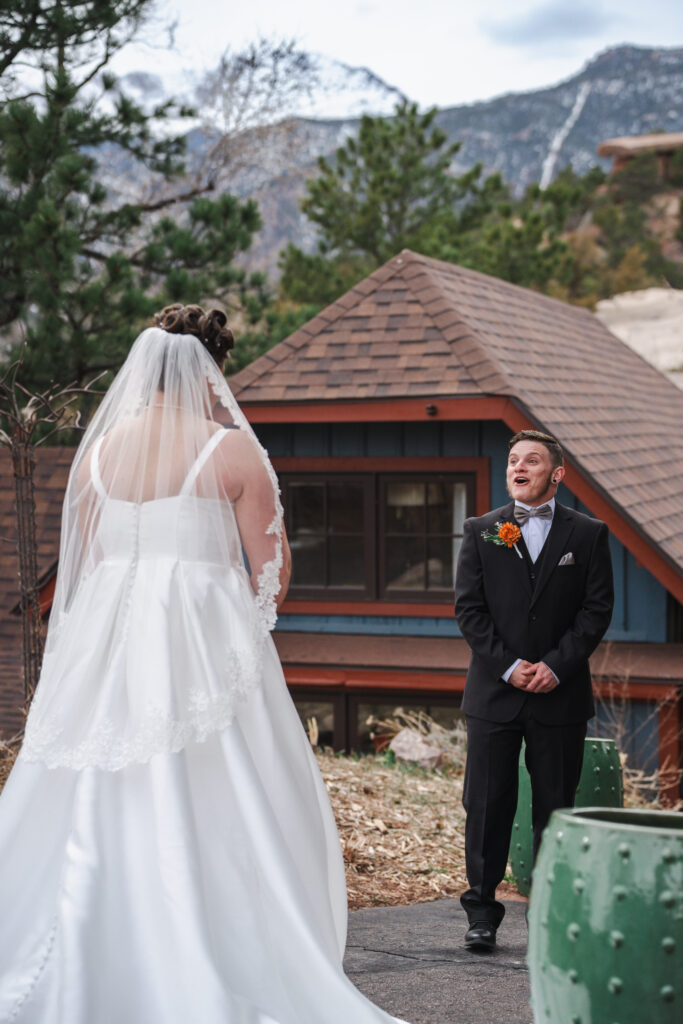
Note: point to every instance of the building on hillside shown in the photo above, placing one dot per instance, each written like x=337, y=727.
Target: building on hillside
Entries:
x=624, y=149
x=387, y=418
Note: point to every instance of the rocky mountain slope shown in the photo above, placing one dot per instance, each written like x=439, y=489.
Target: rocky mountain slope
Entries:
x=526, y=136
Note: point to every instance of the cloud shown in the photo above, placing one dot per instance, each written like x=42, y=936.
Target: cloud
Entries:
x=551, y=22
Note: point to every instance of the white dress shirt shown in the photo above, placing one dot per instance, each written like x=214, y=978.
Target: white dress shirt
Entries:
x=535, y=530
x=534, y=533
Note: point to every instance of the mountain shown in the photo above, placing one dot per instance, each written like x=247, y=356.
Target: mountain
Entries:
x=527, y=136
x=627, y=90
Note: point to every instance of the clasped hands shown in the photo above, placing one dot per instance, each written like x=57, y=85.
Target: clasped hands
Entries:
x=533, y=678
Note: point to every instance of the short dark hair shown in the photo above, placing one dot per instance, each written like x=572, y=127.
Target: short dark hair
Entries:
x=550, y=442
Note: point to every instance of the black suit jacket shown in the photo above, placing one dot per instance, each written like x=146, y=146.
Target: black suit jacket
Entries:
x=559, y=618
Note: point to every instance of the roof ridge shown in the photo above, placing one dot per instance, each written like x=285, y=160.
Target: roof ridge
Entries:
x=501, y=285
x=473, y=336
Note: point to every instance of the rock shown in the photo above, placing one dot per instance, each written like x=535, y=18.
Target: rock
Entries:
x=650, y=322
x=410, y=745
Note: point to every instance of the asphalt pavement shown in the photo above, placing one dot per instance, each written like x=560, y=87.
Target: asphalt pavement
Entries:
x=411, y=961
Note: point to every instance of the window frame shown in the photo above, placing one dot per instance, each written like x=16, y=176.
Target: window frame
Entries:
x=371, y=601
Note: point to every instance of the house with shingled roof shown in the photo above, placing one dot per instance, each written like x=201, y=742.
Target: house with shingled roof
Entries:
x=387, y=418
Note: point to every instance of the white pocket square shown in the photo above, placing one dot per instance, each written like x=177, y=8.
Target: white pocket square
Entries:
x=567, y=559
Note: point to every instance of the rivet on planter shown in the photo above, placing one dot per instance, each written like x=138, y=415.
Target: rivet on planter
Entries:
x=559, y=836
x=668, y=856
x=579, y=886
x=615, y=985
x=575, y=1019
x=667, y=993
x=624, y=851
x=573, y=931
x=667, y=898
x=585, y=843
x=616, y=939
x=573, y=976
x=668, y=944
x=619, y=892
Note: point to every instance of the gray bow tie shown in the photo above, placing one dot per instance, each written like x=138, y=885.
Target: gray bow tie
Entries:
x=523, y=514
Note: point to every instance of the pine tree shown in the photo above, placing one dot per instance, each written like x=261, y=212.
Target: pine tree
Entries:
x=391, y=187
x=82, y=268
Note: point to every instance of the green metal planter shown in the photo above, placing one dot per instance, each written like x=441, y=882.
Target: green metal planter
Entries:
x=606, y=918
x=601, y=785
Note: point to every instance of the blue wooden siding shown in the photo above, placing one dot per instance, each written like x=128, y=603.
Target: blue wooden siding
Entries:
x=640, y=600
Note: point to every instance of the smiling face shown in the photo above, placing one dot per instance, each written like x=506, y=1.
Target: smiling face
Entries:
x=531, y=477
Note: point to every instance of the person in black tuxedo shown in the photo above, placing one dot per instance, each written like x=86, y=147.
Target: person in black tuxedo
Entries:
x=533, y=598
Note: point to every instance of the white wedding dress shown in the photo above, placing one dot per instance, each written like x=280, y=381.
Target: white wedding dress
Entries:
x=168, y=853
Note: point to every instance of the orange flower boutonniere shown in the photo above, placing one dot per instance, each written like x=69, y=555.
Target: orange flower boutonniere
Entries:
x=506, y=535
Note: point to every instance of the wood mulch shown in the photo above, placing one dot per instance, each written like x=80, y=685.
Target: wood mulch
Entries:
x=402, y=830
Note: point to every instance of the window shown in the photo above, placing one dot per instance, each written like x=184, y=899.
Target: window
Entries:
x=376, y=535
x=421, y=533
x=327, y=527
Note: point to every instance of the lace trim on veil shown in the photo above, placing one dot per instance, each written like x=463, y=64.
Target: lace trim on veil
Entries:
x=268, y=582
x=156, y=732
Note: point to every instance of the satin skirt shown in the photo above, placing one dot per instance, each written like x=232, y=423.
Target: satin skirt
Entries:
x=206, y=885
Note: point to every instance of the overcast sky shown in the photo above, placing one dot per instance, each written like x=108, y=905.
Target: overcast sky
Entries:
x=441, y=52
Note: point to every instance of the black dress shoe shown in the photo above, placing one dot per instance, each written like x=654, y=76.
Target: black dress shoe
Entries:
x=481, y=937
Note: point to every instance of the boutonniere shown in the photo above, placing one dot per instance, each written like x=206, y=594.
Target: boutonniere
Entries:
x=507, y=535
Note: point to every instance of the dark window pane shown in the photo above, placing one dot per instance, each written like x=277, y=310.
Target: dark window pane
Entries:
x=308, y=560
x=307, y=503
x=345, y=508
x=405, y=567
x=439, y=563
x=404, y=512
x=323, y=713
x=347, y=562
x=440, y=508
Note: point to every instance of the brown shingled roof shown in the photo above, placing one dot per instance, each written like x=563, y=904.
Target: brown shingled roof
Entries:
x=422, y=327
x=52, y=471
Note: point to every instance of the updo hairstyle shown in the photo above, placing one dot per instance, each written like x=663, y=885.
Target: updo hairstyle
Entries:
x=210, y=327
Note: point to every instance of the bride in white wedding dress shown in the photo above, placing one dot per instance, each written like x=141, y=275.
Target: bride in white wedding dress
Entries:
x=168, y=853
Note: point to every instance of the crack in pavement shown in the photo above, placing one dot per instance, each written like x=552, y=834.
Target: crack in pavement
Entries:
x=470, y=960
